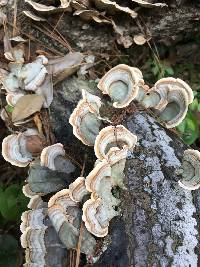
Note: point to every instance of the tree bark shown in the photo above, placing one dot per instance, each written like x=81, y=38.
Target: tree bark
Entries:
x=179, y=20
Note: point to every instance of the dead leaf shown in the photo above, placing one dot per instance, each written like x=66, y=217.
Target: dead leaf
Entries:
x=26, y=106
x=63, y=67
x=46, y=90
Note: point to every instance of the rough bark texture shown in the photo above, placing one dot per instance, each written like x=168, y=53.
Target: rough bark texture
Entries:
x=157, y=226
x=169, y=25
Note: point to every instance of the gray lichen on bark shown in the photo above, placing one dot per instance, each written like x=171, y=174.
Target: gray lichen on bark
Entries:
x=161, y=224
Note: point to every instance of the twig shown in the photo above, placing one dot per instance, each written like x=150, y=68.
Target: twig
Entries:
x=78, y=250
x=15, y=19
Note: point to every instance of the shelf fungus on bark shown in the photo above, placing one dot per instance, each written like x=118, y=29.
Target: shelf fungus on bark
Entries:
x=32, y=239
x=100, y=182
x=20, y=149
x=112, y=7
x=190, y=170
x=85, y=118
x=171, y=98
x=45, y=9
x=39, y=237
x=113, y=136
x=123, y=84
x=77, y=189
x=65, y=216
x=53, y=157
x=97, y=215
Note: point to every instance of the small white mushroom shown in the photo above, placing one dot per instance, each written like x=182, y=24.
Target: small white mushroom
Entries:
x=33, y=74
x=85, y=118
x=190, y=170
x=53, y=157
x=113, y=136
x=171, y=98
x=121, y=83
x=139, y=39
x=97, y=216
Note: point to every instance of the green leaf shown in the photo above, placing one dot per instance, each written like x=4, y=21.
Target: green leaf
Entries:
x=9, y=108
x=9, y=252
x=181, y=127
x=194, y=104
x=155, y=69
x=190, y=128
x=12, y=203
x=169, y=71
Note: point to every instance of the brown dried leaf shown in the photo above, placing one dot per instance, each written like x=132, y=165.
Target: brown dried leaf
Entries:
x=26, y=106
x=63, y=67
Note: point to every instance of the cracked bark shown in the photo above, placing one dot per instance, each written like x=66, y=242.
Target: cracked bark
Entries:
x=158, y=222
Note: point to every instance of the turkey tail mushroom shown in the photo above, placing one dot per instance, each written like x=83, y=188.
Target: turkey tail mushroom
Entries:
x=65, y=215
x=85, y=118
x=123, y=84
x=171, y=98
x=53, y=157
x=190, y=170
x=113, y=136
x=20, y=149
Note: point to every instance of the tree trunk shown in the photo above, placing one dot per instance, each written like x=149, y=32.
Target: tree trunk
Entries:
x=157, y=226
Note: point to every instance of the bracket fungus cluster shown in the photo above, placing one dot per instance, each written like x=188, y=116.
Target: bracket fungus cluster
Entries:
x=170, y=97
x=86, y=204
x=29, y=86
x=65, y=214
x=39, y=237
x=33, y=232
